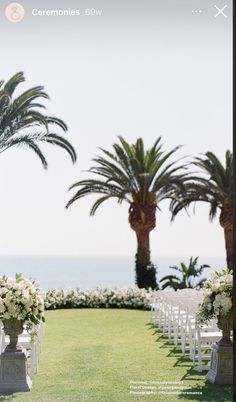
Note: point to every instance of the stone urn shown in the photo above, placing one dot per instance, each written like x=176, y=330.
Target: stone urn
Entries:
x=221, y=371
x=225, y=323
x=13, y=328
x=13, y=361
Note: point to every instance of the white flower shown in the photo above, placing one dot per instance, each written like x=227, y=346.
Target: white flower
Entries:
x=213, y=276
x=209, y=306
x=6, y=316
x=215, y=285
x=222, y=303
x=2, y=308
x=3, y=290
x=229, y=279
x=10, y=281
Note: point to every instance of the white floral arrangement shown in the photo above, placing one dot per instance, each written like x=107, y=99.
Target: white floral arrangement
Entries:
x=20, y=298
x=133, y=298
x=219, y=296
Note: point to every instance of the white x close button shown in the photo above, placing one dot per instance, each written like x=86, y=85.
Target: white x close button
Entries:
x=220, y=11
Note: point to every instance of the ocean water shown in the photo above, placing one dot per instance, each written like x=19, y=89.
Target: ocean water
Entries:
x=90, y=272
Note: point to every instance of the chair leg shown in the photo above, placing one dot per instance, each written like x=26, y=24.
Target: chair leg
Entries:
x=183, y=341
x=199, y=356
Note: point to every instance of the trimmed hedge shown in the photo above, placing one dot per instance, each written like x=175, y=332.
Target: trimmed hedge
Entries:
x=99, y=298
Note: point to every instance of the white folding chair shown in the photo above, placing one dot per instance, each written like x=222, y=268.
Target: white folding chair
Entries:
x=205, y=336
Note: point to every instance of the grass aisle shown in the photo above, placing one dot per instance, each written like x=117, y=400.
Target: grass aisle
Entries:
x=91, y=355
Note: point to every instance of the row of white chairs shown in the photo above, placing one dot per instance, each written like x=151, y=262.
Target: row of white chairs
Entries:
x=175, y=313
x=31, y=343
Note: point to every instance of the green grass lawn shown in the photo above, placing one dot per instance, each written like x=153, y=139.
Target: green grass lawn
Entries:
x=92, y=355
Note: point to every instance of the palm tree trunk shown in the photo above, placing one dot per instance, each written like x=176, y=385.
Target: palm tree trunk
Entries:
x=142, y=219
x=145, y=270
x=143, y=246
x=226, y=221
x=228, y=231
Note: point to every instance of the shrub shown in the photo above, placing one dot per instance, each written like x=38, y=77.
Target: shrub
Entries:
x=98, y=298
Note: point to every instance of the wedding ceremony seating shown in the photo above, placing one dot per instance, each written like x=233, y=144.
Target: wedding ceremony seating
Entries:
x=175, y=313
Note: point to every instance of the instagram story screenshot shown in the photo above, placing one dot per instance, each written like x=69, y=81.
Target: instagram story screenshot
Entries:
x=117, y=202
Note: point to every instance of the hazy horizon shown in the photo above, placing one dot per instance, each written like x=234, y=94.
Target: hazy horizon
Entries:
x=91, y=272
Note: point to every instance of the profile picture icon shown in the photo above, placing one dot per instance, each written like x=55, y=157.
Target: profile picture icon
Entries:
x=15, y=12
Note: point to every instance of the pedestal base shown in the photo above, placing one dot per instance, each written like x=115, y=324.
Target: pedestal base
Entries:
x=221, y=371
x=13, y=374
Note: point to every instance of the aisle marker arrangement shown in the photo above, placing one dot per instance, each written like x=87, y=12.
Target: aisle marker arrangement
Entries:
x=192, y=318
x=22, y=314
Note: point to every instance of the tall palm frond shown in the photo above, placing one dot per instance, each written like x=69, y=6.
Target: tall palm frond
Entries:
x=214, y=185
x=131, y=173
x=23, y=124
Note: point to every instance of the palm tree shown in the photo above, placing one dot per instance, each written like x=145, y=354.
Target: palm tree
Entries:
x=215, y=188
x=188, y=274
x=22, y=123
x=140, y=177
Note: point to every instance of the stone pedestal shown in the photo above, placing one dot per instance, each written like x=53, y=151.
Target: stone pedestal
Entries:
x=221, y=371
x=13, y=373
